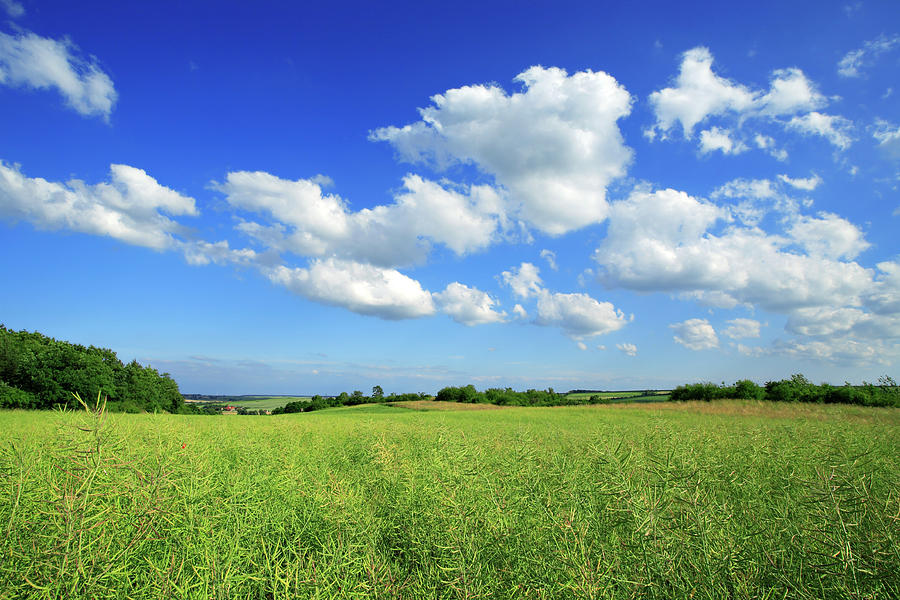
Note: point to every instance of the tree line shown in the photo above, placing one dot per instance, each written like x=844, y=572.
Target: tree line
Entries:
x=510, y=397
x=796, y=389
x=344, y=399
x=37, y=371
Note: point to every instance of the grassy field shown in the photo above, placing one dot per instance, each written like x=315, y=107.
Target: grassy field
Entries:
x=712, y=500
x=267, y=402
x=261, y=402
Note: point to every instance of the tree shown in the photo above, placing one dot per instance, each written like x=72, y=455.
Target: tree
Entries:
x=377, y=393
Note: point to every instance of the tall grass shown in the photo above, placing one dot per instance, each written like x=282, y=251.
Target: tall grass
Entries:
x=380, y=502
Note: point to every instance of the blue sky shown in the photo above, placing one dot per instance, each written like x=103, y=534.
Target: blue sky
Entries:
x=310, y=198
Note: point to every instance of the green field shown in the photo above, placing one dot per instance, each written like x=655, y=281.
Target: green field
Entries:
x=675, y=500
x=266, y=402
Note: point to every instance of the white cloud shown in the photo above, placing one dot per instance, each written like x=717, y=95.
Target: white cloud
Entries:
x=550, y=257
x=555, y=146
x=720, y=139
x=582, y=346
x=361, y=288
x=790, y=92
x=699, y=93
x=128, y=208
x=828, y=235
x=808, y=184
x=662, y=241
x=524, y=281
x=884, y=296
x=468, y=306
x=520, y=312
x=853, y=61
x=752, y=199
x=695, y=334
x=888, y=136
x=767, y=143
x=12, y=8
x=824, y=321
x=308, y=222
x=28, y=60
x=833, y=128
x=200, y=253
x=836, y=350
x=742, y=328
x=578, y=315
x=627, y=349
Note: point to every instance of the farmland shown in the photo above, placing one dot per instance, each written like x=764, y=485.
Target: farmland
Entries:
x=725, y=499
x=250, y=402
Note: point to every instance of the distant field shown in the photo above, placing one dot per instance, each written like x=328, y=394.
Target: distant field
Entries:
x=657, y=500
x=267, y=402
x=259, y=402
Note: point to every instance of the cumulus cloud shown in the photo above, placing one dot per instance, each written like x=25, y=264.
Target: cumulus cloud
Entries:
x=627, y=349
x=358, y=287
x=852, y=62
x=578, y=315
x=828, y=236
x=129, y=207
x=200, y=253
x=824, y=321
x=582, y=346
x=30, y=61
x=807, y=184
x=884, y=296
x=790, y=92
x=699, y=95
x=664, y=241
x=308, y=222
x=720, y=139
x=520, y=311
x=550, y=257
x=468, y=306
x=751, y=199
x=554, y=147
x=525, y=281
x=12, y=8
x=767, y=143
x=833, y=128
x=695, y=334
x=888, y=137
x=742, y=328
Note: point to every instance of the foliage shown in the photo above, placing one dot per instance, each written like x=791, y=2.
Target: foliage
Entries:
x=510, y=397
x=796, y=389
x=344, y=399
x=37, y=371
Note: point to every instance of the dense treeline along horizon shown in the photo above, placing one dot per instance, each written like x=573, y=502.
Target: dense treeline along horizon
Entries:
x=318, y=402
x=510, y=397
x=37, y=371
x=796, y=389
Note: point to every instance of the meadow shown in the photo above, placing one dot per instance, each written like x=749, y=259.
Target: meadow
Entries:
x=704, y=500
x=265, y=402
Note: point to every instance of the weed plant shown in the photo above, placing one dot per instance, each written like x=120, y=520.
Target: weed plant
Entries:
x=730, y=500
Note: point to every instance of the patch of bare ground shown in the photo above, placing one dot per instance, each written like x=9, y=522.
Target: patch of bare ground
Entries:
x=434, y=405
